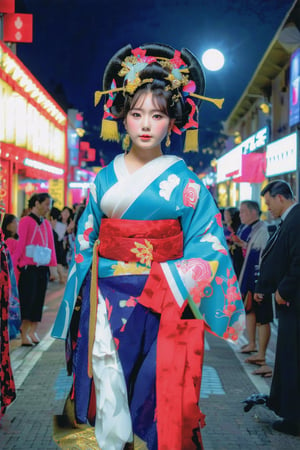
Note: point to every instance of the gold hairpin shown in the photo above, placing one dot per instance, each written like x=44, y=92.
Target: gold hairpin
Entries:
x=130, y=87
x=216, y=101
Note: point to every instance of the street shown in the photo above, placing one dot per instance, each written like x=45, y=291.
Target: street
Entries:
x=42, y=385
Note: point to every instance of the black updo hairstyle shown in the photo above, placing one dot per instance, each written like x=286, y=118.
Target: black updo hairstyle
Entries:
x=178, y=110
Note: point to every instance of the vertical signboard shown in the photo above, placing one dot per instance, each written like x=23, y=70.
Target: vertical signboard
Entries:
x=57, y=192
x=75, y=121
x=4, y=184
x=294, y=106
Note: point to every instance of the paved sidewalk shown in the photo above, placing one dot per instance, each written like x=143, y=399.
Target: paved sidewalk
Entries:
x=42, y=385
x=228, y=427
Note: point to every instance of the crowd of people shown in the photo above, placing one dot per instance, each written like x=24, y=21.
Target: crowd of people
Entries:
x=268, y=274
x=40, y=251
x=246, y=244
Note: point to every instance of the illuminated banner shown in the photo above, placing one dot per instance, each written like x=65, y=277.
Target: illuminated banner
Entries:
x=57, y=192
x=282, y=156
x=294, y=112
x=7, y=6
x=230, y=165
x=256, y=141
x=17, y=28
x=4, y=185
x=23, y=125
x=75, y=122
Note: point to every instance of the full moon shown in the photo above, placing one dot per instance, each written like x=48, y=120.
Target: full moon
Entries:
x=213, y=59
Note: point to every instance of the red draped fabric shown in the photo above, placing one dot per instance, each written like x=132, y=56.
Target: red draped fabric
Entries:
x=7, y=385
x=180, y=349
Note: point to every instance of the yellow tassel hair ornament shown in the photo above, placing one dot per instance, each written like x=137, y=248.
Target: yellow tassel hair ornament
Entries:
x=191, y=141
x=109, y=130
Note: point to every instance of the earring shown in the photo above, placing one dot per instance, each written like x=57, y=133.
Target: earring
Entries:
x=168, y=140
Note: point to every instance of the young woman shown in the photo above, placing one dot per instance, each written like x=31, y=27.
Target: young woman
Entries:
x=153, y=235
x=66, y=222
x=34, y=255
x=10, y=229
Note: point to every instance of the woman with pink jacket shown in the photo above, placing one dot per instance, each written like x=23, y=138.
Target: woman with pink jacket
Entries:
x=34, y=255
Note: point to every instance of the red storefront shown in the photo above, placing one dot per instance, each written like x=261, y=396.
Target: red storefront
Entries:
x=33, y=137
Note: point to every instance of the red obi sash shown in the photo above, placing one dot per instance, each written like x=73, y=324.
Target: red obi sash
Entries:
x=141, y=241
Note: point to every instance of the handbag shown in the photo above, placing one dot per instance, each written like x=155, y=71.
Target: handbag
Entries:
x=41, y=254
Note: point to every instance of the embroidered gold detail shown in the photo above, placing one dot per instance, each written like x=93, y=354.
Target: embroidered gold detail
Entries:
x=132, y=86
x=175, y=82
x=132, y=268
x=144, y=252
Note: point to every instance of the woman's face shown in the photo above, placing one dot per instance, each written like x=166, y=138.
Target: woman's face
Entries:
x=13, y=227
x=147, y=125
x=227, y=217
x=65, y=214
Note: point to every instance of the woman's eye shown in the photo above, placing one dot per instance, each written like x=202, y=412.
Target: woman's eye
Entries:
x=157, y=116
x=135, y=114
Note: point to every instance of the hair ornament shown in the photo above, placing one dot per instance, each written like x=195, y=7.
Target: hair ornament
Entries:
x=185, y=78
x=109, y=129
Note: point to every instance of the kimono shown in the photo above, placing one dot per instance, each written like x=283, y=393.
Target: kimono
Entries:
x=7, y=385
x=151, y=313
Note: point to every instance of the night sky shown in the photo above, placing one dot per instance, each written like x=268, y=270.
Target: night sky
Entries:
x=74, y=39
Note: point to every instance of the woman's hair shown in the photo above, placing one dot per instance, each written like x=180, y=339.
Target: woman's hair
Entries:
x=7, y=220
x=235, y=217
x=55, y=213
x=41, y=197
x=167, y=98
x=67, y=208
x=162, y=98
x=231, y=210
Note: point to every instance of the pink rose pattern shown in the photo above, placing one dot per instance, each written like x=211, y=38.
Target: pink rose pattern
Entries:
x=7, y=385
x=191, y=194
x=231, y=295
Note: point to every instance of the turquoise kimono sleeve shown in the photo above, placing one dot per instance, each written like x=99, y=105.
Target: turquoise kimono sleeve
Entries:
x=205, y=275
x=87, y=233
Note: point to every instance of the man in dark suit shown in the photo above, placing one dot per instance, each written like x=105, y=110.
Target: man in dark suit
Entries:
x=280, y=274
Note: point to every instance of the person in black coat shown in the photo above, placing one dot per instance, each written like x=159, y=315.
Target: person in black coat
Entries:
x=280, y=274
